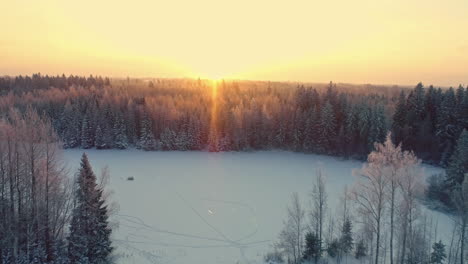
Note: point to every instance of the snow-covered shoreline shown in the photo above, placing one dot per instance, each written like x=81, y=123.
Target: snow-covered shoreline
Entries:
x=202, y=207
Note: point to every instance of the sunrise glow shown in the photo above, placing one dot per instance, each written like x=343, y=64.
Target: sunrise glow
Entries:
x=388, y=41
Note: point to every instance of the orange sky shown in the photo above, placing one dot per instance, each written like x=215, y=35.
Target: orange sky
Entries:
x=359, y=41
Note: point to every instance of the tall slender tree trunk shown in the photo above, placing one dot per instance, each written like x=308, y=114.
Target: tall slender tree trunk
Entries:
x=48, y=246
x=19, y=219
x=377, y=243
x=4, y=224
x=12, y=203
x=392, y=212
x=403, y=246
x=462, y=246
x=34, y=214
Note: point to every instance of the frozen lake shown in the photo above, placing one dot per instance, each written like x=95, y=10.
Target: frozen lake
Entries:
x=211, y=208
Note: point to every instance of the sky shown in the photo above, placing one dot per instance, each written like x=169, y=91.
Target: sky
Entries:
x=358, y=41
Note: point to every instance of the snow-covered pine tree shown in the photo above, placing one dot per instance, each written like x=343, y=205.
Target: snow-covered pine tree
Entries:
x=438, y=253
x=463, y=111
x=361, y=250
x=351, y=130
x=377, y=130
x=333, y=249
x=346, y=240
x=167, y=139
x=77, y=239
x=327, y=131
x=87, y=136
x=194, y=134
x=120, y=136
x=446, y=128
x=99, y=138
x=146, y=140
x=313, y=247
x=89, y=239
x=71, y=124
x=100, y=246
x=458, y=165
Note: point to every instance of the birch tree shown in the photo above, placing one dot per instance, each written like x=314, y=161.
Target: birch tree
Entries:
x=318, y=197
x=291, y=237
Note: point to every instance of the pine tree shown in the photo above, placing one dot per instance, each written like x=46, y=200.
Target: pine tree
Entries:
x=87, y=137
x=77, y=240
x=313, y=248
x=346, y=240
x=361, y=250
x=399, y=119
x=462, y=112
x=167, y=139
x=89, y=239
x=71, y=124
x=100, y=244
x=377, y=129
x=333, y=249
x=458, y=165
x=120, y=136
x=446, y=128
x=327, y=132
x=99, y=138
x=438, y=253
x=146, y=140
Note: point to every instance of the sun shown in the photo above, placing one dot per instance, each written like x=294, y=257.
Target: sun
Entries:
x=211, y=71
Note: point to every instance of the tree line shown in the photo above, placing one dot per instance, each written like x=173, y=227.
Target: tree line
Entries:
x=186, y=114
x=45, y=216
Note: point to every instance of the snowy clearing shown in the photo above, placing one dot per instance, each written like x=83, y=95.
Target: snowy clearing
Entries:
x=199, y=207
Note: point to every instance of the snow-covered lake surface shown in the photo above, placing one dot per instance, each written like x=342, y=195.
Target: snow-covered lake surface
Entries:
x=212, y=208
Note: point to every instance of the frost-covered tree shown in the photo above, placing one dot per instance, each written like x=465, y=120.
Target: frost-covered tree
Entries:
x=168, y=139
x=319, y=198
x=146, y=140
x=327, y=133
x=361, y=249
x=460, y=200
x=333, y=249
x=458, y=165
x=370, y=195
x=399, y=119
x=346, y=239
x=89, y=239
x=438, y=254
x=119, y=133
x=313, y=247
x=71, y=123
x=87, y=135
x=291, y=237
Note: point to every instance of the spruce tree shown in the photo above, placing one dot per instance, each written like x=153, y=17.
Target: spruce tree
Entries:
x=438, y=253
x=89, y=239
x=377, y=128
x=446, y=128
x=71, y=124
x=346, y=240
x=120, y=136
x=313, y=248
x=458, y=165
x=87, y=137
x=146, y=140
x=399, y=119
x=361, y=250
x=333, y=249
x=99, y=138
x=327, y=132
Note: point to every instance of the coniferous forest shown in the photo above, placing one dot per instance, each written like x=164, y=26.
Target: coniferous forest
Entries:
x=184, y=114
x=48, y=217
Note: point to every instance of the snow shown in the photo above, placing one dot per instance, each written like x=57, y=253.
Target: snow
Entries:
x=200, y=207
